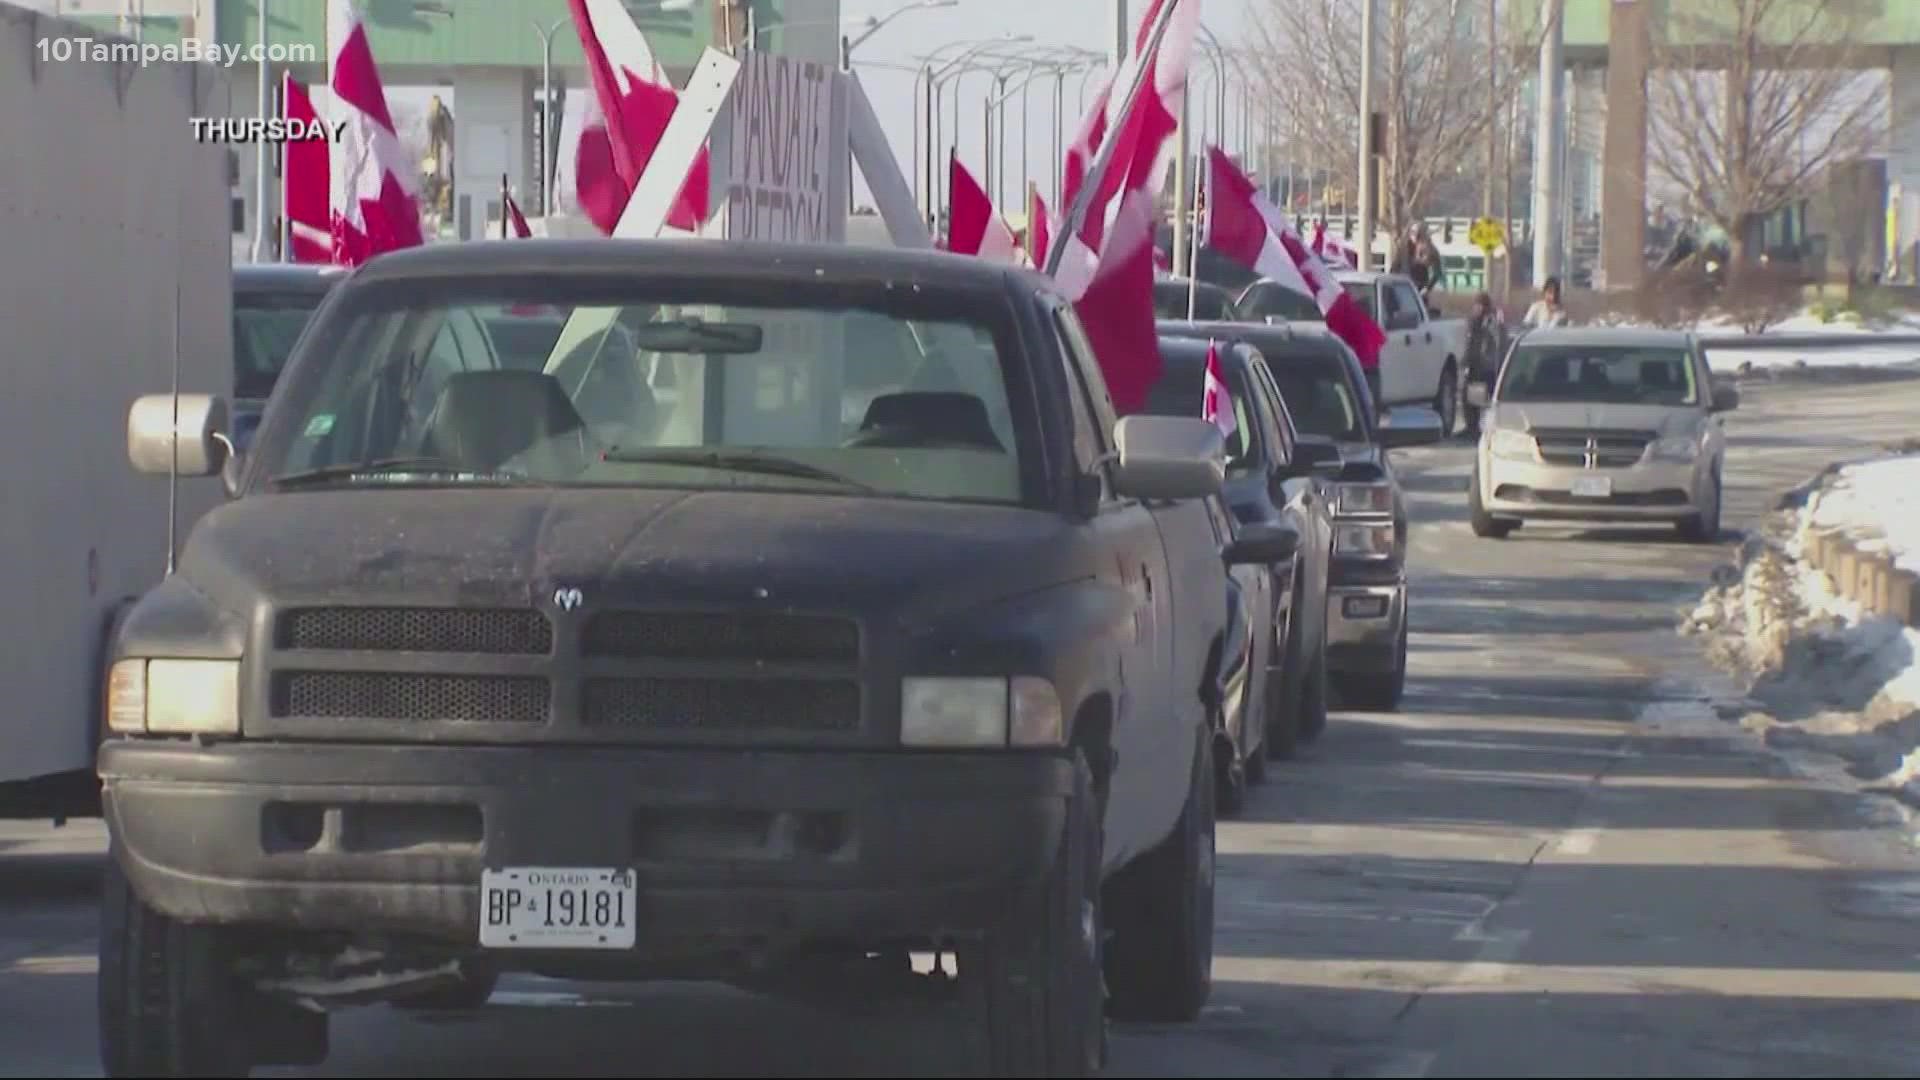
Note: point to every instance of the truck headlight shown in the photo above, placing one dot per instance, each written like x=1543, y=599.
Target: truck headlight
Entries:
x=1513, y=445
x=1368, y=541
x=979, y=712
x=1362, y=500
x=1676, y=448
x=174, y=697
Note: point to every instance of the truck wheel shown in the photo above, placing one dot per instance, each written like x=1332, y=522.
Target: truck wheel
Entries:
x=1484, y=523
x=1038, y=998
x=1446, y=399
x=1313, y=697
x=1160, y=962
x=167, y=1003
x=1283, y=705
x=1704, y=527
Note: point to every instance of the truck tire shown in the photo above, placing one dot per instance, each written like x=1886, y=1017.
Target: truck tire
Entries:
x=1037, y=1001
x=1312, y=716
x=166, y=1001
x=1285, y=703
x=1703, y=528
x=1159, y=963
x=1446, y=399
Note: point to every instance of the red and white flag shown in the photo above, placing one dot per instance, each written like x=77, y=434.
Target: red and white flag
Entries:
x=1242, y=225
x=1216, y=405
x=1332, y=250
x=305, y=184
x=1106, y=257
x=1039, y=232
x=632, y=102
x=517, y=219
x=374, y=201
x=975, y=228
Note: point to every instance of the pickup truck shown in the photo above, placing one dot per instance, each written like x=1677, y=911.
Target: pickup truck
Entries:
x=454, y=685
x=1420, y=363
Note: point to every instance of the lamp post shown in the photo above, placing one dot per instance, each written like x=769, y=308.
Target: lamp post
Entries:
x=260, y=179
x=547, y=141
x=936, y=79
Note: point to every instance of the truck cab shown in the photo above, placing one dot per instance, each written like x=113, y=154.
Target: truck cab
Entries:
x=880, y=636
x=1420, y=362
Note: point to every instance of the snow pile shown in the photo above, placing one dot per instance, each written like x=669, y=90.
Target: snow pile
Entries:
x=1869, y=351
x=1824, y=675
x=1877, y=503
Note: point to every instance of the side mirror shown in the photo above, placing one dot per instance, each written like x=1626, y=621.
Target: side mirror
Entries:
x=1262, y=544
x=184, y=436
x=1412, y=425
x=1477, y=395
x=1168, y=457
x=1725, y=398
x=1317, y=457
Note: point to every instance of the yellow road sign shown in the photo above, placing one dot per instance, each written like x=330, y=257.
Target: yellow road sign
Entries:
x=1488, y=235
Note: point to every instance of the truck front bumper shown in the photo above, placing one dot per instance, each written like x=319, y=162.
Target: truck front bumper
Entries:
x=1649, y=491
x=768, y=847
x=1364, y=624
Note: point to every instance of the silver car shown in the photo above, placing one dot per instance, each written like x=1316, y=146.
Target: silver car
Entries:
x=1602, y=424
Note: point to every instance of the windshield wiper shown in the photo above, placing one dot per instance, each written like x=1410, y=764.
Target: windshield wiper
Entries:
x=770, y=465
x=382, y=466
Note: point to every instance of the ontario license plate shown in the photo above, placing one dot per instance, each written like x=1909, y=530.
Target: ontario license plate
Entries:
x=1593, y=487
x=542, y=907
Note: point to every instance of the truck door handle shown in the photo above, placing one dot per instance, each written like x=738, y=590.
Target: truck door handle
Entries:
x=1148, y=579
x=1409, y=339
x=1429, y=337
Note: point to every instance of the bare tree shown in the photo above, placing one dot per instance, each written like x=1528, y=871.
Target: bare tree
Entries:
x=1752, y=100
x=1432, y=83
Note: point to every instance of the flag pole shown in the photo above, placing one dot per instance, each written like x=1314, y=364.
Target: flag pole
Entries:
x=1103, y=158
x=1203, y=200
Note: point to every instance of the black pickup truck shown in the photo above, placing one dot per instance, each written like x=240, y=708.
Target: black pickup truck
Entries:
x=1327, y=393
x=867, y=634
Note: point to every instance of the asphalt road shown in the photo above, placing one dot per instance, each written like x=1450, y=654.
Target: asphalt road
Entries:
x=1555, y=859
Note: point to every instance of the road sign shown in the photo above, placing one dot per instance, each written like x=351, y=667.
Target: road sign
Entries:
x=1488, y=235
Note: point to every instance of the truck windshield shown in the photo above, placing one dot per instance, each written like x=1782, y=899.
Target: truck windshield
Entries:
x=705, y=391
x=1600, y=374
x=1318, y=395
x=265, y=326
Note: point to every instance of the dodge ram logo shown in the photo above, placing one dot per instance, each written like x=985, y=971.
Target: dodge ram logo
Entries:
x=568, y=599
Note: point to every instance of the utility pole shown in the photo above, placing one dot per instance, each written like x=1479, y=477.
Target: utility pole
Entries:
x=1364, y=175
x=1121, y=46
x=1549, y=133
x=1495, y=280
x=261, y=181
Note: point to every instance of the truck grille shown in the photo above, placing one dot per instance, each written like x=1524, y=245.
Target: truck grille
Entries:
x=496, y=631
x=387, y=696
x=745, y=705
x=1610, y=449
x=690, y=635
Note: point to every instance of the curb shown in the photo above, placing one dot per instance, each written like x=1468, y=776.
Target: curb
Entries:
x=1868, y=578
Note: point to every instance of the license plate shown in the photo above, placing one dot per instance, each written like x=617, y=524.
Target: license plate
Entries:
x=541, y=907
x=1593, y=487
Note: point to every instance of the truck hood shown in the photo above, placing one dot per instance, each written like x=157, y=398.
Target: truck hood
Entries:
x=862, y=556
x=1665, y=419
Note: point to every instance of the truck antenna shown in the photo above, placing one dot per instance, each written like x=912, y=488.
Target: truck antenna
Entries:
x=173, y=474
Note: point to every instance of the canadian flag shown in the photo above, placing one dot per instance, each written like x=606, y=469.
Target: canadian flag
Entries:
x=1330, y=249
x=373, y=204
x=1106, y=256
x=1216, y=406
x=305, y=185
x=516, y=218
x=1039, y=232
x=627, y=113
x=974, y=227
x=1245, y=227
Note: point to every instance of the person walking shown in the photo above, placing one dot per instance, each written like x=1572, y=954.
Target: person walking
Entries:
x=1486, y=347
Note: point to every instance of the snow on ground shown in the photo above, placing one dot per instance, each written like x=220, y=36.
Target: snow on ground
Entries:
x=1867, y=353
x=1825, y=677
x=1877, y=502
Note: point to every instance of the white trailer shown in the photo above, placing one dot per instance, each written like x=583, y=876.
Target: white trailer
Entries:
x=113, y=222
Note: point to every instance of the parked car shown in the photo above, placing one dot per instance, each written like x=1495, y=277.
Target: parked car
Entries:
x=1325, y=391
x=272, y=303
x=1602, y=424
x=1209, y=301
x=1420, y=363
x=453, y=687
x=1273, y=482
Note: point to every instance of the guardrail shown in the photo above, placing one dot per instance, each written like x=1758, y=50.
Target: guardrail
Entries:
x=1806, y=341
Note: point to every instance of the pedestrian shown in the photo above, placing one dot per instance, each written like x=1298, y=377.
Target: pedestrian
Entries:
x=1428, y=271
x=1486, y=347
x=1547, y=311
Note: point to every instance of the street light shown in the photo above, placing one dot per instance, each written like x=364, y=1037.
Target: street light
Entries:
x=936, y=183
x=874, y=25
x=547, y=142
